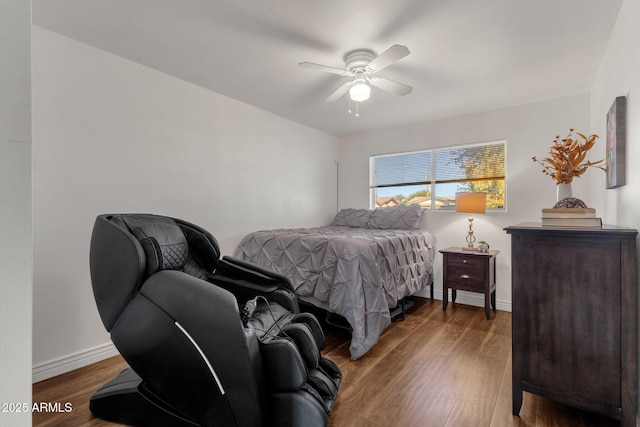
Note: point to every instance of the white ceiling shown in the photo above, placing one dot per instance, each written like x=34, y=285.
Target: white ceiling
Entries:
x=466, y=55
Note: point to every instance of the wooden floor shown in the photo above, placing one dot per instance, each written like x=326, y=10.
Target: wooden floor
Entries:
x=434, y=368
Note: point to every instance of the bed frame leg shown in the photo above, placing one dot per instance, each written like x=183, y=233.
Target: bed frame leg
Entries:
x=401, y=308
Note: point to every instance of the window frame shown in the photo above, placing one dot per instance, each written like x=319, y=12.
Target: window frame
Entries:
x=432, y=172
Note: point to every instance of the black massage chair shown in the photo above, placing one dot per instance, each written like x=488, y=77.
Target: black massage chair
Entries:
x=209, y=341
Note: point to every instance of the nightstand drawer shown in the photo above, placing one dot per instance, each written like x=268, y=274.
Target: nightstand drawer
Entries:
x=463, y=283
x=466, y=272
x=467, y=263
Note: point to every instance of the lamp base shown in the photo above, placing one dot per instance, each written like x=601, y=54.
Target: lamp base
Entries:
x=471, y=239
x=468, y=249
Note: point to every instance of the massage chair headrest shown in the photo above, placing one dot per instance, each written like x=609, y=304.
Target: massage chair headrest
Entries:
x=128, y=248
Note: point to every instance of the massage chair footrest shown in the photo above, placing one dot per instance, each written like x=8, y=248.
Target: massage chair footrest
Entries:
x=301, y=408
x=326, y=379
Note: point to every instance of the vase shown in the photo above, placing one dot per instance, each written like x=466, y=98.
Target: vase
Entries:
x=564, y=191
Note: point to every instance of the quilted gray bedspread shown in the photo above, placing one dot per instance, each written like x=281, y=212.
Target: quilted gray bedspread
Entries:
x=358, y=273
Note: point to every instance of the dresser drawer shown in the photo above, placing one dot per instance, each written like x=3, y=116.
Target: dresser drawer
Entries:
x=466, y=272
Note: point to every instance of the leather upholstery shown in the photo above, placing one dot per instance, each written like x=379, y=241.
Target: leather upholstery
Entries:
x=172, y=307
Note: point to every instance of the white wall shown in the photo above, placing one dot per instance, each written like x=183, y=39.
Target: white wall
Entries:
x=528, y=129
x=110, y=135
x=15, y=209
x=619, y=76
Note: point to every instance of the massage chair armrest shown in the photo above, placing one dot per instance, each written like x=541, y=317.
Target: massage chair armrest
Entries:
x=246, y=280
x=262, y=275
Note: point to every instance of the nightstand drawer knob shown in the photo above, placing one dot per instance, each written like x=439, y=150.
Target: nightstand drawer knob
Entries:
x=464, y=261
x=464, y=276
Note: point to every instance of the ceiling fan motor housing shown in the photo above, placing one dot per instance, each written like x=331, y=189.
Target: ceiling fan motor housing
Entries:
x=358, y=59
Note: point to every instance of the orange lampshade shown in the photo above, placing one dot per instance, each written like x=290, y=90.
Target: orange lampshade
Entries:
x=471, y=203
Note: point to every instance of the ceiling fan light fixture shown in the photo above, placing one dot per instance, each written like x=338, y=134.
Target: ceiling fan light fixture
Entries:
x=360, y=91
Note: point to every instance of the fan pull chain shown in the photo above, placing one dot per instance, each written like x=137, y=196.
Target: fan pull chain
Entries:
x=357, y=108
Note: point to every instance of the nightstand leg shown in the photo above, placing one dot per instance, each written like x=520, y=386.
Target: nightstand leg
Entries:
x=454, y=294
x=493, y=300
x=445, y=298
x=487, y=305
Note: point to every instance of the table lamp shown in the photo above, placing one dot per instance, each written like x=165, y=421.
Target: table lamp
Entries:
x=471, y=203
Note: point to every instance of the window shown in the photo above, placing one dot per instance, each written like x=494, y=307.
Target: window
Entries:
x=431, y=178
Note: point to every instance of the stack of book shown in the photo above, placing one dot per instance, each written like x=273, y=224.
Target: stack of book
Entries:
x=570, y=217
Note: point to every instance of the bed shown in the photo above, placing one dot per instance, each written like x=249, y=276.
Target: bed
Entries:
x=359, y=267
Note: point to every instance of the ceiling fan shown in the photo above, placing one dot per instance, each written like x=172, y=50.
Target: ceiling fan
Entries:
x=360, y=64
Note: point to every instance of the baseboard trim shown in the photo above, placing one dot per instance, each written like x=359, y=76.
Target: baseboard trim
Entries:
x=73, y=361
x=469, y=298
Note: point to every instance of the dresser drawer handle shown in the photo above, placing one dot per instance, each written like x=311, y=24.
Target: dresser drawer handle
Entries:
x=464, y=261
x=464, y=276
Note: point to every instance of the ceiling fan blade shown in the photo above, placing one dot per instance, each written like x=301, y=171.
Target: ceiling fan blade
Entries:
x=318, y=67
x=390, y=85
x=339, y=92
x=388, y=57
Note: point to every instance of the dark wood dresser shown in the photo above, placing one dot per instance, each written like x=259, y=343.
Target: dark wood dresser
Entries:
x=574, y=303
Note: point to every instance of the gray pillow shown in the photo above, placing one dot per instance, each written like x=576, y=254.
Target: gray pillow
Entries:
x=356, y=218
x=402, y=217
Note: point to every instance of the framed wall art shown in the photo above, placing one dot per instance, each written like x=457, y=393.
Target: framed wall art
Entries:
x=617, y=143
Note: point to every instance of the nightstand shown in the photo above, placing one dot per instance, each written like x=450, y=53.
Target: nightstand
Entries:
x=472, y=271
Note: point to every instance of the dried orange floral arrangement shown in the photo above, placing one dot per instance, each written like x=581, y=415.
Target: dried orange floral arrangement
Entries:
x=567, y=157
